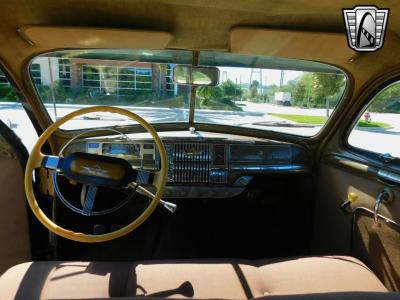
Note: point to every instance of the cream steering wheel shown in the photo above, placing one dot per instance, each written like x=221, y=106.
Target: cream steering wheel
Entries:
x=37, y=160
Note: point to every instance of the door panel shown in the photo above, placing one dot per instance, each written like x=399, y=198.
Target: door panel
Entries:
x=362, y=162
x=14, y=231
x=377, y=246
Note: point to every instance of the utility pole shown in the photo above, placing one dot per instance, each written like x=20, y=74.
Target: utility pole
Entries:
x=327, y=106
x=52, y=92
x=240, y=84
x=253, y=74
x=236, y=88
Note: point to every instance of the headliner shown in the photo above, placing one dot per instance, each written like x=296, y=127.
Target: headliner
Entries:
x=195, y=24
x=186, y=18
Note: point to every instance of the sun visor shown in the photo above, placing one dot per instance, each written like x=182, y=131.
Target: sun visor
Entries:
x=317, y=46
x=89, y=37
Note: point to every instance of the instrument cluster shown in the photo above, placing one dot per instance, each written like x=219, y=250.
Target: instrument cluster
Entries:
x=204, y=168
x=140, y=154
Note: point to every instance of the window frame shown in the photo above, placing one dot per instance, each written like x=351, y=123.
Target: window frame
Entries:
x=368, y=154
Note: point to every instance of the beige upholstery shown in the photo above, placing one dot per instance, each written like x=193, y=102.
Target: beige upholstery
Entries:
x=223, y=279
x=14, y=232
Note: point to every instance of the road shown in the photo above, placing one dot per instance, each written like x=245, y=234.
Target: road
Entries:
x=371, y=139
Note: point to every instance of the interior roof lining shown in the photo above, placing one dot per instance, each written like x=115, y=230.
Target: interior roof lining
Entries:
x=93, y=37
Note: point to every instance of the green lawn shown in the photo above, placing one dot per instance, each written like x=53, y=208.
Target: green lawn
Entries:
x=320, y=120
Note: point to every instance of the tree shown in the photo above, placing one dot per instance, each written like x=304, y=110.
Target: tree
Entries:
x=313, y=89
x=210, y=92
x=229, y=88
x=302, y=89
x=386, y=100
x=254, y=89
x=327, y=85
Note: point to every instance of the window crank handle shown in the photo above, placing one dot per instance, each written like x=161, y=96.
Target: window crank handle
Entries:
x=386, y=196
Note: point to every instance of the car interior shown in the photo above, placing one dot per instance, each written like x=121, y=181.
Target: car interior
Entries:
x=199, y=150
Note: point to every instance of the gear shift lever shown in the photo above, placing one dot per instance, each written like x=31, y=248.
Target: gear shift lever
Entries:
x=171, y=207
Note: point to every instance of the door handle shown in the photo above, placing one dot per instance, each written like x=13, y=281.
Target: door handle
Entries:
x=386, y=196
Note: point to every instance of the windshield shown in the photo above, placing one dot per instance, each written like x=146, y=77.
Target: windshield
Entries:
x=268, y=93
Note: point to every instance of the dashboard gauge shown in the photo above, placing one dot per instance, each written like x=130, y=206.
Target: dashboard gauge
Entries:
x=140, y=155
x=148, y=146
x=121, y=149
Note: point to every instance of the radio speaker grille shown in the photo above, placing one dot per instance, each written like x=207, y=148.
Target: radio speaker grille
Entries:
x=191, y=163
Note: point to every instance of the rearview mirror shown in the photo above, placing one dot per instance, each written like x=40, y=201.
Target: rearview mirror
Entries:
x=197, y=76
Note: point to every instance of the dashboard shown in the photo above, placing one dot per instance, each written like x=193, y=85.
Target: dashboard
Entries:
x=202, y=164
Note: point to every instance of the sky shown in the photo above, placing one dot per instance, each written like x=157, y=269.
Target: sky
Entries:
x=269, y=76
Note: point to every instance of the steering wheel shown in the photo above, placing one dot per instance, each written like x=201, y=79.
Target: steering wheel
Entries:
x=95, y=170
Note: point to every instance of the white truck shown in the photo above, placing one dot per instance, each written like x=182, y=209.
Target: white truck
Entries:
x=283, y=98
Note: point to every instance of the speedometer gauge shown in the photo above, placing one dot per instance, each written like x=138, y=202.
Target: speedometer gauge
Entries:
x=121, y=149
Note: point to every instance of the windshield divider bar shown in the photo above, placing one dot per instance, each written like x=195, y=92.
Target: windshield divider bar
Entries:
x=192, y=103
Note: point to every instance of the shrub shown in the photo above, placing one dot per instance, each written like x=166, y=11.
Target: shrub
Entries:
x=4, y=91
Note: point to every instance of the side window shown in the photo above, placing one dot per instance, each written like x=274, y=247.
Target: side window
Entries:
x=378, y=129
x=13, y=114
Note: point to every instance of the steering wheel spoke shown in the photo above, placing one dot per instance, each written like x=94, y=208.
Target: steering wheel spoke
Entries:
x=89, y=198
x=51, y=162
x=143, y=176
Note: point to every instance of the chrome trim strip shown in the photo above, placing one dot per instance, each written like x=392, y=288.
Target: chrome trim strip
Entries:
x=389, y=176
x=268, y=168
x=204, y=192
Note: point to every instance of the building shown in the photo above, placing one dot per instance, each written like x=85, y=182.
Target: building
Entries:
x=105, y=77
x=3, y=79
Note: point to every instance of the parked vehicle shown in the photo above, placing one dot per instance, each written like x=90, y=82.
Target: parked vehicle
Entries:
x=283, y=98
